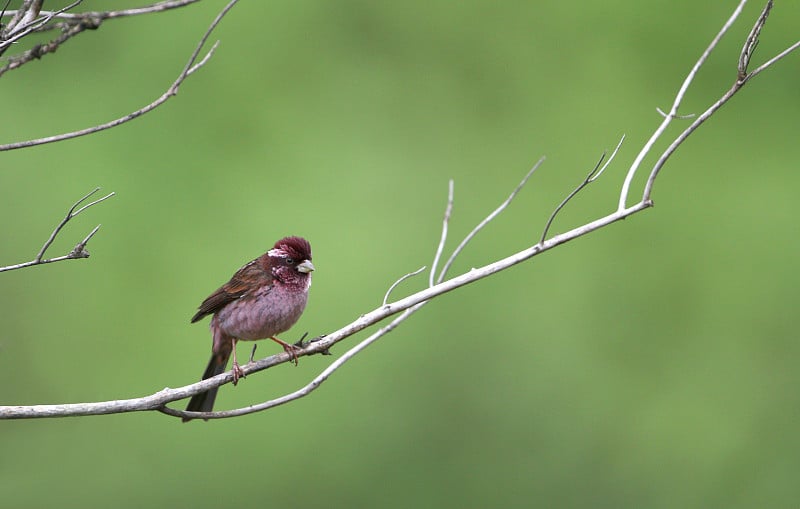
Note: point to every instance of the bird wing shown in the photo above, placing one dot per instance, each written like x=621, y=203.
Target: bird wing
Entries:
x=238, y=286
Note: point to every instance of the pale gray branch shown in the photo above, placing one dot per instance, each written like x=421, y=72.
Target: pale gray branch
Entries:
x=191, y=65
x=487, y=220
x=79, y=251
x=443, y=238
x=673, y=112
x=593, y=175
x=403, y=278
x=408, y=305
x=742, y=78
x=148, y=9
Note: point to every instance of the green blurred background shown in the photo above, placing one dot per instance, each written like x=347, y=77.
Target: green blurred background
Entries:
x=650, y=364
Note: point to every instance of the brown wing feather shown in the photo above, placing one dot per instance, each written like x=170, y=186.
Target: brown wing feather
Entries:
x=240, y=284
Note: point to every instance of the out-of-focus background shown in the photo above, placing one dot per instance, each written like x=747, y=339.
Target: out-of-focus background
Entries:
x=650, y=364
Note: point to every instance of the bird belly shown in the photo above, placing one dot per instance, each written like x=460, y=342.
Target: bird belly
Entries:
x=262, y=314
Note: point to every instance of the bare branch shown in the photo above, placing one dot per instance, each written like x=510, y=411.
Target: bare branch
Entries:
x=39, y=50
x=741, y=80
x=673, y=112
x=681, y=117
x=21, y=17
x=191, y=66
x=149, y=9
x=407, y=312
x=591, y=177
x=79, y=251
x=394, y=285
x=29, y=23
x=752, y=41
x=305, y=390
x=443, y=239
x=410, y=304
x=487, y=220
x=70, y=214
x=73, y=24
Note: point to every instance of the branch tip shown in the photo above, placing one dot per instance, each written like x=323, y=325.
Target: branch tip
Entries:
x=751, y=43
x=403, y=278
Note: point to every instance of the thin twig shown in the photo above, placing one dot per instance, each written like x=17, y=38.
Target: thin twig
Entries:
x=673, y=112
x=741, y=80
x=79, y=251
x=309, y=387
x=410, y=274
x=679, y=117
x=751, y=42
x=70, y=214
x=591, y=177
x=190, y=67
x=148, y=9
x=405, y=306
x=487, y=220
x=16, y=18
x=772, y=60
x=74, y=24
x=443, y=238
x=28, y=26
x=407, y=312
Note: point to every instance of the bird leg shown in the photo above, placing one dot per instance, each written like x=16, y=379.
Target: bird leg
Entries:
x=288, y=348
x=238, y=372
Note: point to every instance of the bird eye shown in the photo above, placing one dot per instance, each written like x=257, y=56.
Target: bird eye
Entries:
x=290, y=261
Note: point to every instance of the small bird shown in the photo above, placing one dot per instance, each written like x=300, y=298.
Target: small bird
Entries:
x=263, y=299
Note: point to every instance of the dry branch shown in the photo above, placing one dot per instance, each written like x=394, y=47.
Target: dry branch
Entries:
x=31, y=19
x=79, y=251
x=437, y=286
x=191, y=66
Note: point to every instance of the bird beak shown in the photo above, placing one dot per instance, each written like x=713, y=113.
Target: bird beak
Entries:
x=305, y=267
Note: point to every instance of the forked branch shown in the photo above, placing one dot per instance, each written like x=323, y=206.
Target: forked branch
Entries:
x=193, y=64
x=79, y=251
x=437, y=285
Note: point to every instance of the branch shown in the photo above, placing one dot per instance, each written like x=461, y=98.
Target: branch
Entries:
x=103, y=15
x=742, y=78
x=79, y=251
x=23, y=23
x=191, y=66
x=591, y=177
x=403, y=307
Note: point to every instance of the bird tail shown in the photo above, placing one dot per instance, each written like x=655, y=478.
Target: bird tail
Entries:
x=204, y=402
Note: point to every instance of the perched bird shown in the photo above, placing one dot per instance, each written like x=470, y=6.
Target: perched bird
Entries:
x=263, y=299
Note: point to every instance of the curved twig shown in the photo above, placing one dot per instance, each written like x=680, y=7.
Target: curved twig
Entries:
x=405, y=306
x=487, y=219
x=191, y=66
x=593, y=175
x=79, y=251
x=673, y=112
x=403, y=278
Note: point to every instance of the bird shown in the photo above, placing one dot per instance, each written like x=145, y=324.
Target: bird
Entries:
x=263, y=299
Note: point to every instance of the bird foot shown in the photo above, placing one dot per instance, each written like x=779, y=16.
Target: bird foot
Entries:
x=238, y=372
x=292, y=350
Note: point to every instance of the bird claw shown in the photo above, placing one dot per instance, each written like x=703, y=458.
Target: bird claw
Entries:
x=238, y=372
x=292, y=350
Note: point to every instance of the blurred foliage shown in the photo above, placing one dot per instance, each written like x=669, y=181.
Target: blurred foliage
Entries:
x=650, y=364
